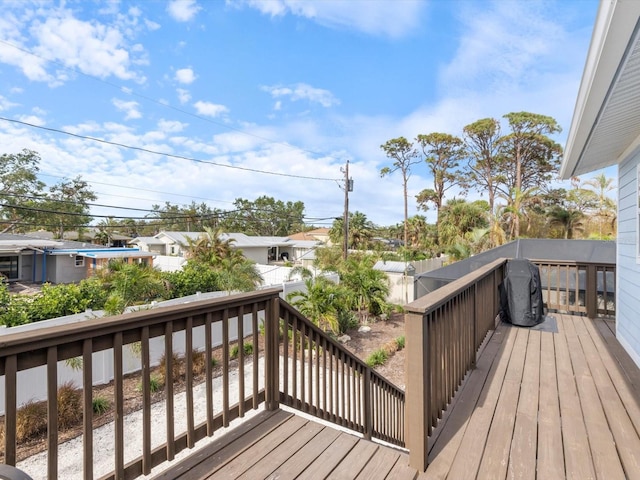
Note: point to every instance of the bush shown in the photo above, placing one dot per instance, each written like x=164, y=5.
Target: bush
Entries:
x=101, y=405
x=155, y=384
x=400, y=342
x=378, y=357
x=247, y=347
x=69, y=405
x=31, y=420
x=199, y=362
x=347, y=320
x=176, y=367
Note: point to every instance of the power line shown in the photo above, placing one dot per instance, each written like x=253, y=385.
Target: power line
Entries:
x=136, y=188
x=165, y=154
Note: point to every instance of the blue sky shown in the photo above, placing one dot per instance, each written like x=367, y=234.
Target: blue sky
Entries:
x=293, y=87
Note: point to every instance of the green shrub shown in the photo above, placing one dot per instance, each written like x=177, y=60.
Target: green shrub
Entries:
x=155, y=384
x=400, y=342
x=347, y=320
x=101, y=405
x=247, y=347
x=377, y=358
x=69, y=405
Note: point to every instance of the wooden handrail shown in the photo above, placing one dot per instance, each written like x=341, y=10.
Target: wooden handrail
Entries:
x=326, y=380
x=445, y=328
x=47, y=346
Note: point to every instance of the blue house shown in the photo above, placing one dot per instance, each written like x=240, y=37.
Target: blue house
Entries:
x=605, y=131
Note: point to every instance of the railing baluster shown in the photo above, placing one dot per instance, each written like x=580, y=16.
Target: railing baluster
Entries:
x=208, y=369
x=10, y=408
x=168, y=388
x=285, y=348
x=52, y=412
x=317, y=379
x=118, y=384
x=146, y=401
x=87, y=409
x=188, y=340
x=241, y=361
x=302, y=366
x=254, y=327
x=225, y=368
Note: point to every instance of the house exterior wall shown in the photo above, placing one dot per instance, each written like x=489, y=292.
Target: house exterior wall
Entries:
x=63, y=269
x=628, y=263
x=257, y=254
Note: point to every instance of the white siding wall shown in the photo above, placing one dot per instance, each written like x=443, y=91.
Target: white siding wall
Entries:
x=628, y=269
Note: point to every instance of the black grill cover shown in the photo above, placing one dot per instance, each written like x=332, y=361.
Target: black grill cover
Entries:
x=521, y=295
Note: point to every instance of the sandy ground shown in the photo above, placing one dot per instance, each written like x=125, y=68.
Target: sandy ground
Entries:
x=70, y=453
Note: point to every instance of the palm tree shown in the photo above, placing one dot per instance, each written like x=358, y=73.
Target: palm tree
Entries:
x=601, y=185
x=370, y=288
x=210, y=248
x=360, y=231
x=130, y=284
x=569, y=220
x=237, y=273
x=320, y=303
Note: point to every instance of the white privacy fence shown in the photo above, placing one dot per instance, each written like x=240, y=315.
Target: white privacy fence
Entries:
x=32, y=383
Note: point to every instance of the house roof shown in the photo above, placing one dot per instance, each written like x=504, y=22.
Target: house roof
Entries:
x=393, y=267
x=16, y=243
x=311, y=234
x=147, y=240
x=606, y=122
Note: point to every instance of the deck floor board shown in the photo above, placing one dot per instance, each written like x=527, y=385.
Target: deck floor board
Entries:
x=538, y=405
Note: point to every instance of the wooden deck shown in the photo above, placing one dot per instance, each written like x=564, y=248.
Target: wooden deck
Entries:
x=546, y=405
x=539, y=404
x=282, y=445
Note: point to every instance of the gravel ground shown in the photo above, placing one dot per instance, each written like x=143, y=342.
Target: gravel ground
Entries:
x=70, y=453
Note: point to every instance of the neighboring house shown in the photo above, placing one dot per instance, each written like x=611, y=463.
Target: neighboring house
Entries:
x=29, y=259
x=400, y=275
x=605, y=131
x=116, y=240
x=262, y=250
x=318, y=235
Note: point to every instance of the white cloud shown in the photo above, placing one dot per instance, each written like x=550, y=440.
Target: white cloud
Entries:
x=130, y=108
x=210, y=109
x=302, y=91
x=393, y=19
x=171, y=126
x=183, y=10
x=185, y=76
x=6, y=104
x=183, y=95
x=32, y=119
x=56, y=35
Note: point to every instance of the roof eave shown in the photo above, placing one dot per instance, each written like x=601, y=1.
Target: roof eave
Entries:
x=614, y=27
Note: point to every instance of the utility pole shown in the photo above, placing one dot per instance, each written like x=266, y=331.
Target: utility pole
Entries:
x=348, y=187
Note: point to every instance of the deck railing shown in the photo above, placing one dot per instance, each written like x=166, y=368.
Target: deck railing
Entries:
x=324, y=379
x=50, y=346
x=292, y=362
x=578, y=287
x=445, y=328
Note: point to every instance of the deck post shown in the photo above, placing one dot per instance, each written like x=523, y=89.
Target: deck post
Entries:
x=418, y=391
x=591, y=291
x=271, y=353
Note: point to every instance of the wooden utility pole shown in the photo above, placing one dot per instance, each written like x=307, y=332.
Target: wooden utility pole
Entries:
x=348, y=187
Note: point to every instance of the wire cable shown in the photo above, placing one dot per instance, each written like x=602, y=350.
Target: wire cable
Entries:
x=165, y=154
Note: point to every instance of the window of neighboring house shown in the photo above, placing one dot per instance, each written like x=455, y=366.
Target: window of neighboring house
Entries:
x=79, y=261
x=173, y=250
x=9, y=267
